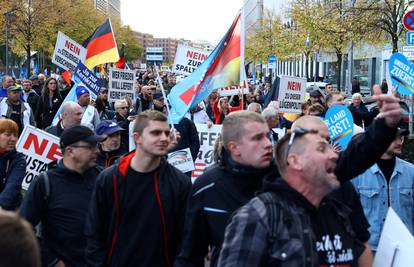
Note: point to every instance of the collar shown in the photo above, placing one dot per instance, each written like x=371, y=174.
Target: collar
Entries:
x=397, y=168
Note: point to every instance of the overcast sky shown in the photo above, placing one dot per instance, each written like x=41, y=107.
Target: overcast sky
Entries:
x=189, y=19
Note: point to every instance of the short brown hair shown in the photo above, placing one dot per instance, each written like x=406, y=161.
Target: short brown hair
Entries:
x=9, y=126
x=18, y=244
x=233, y=127
x=143, y=119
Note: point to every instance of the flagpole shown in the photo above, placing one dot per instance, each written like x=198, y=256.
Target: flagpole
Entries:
x=164, y=96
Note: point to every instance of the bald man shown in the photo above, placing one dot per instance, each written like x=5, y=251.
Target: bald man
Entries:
x=71, y=116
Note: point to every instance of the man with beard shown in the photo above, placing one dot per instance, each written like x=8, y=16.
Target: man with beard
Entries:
x=295, y=223
x=232, y=182
x=59, y=198
x=145, y=99
x=137, y=211
x=30, y=95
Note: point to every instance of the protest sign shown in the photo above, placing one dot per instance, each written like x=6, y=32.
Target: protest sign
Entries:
x=291, y=94
x=340, y=123
x=395, y=248
x=207, y=137
x=121, y=83
x=68, y=53
x=402, y=74
x=182, y=160
x=40, y=148
x=232, y=90
x=84, y=77
x=187, y=59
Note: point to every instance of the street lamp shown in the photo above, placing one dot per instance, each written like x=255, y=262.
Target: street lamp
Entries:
x=8, y=16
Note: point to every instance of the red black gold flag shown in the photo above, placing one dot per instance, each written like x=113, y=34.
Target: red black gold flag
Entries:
x=121, y=62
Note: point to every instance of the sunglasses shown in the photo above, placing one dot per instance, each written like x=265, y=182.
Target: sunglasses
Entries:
x=296, y=133
x=123, y=107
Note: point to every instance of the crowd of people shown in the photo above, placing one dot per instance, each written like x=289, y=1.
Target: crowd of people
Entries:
x=272, y=198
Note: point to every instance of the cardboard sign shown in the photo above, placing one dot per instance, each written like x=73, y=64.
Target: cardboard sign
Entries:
x=207, y=137
x=395, y=248
x=121, y=83
x=187, y=59
x=340, y=122
x=68, y=53
x=40, y=148
x=402, y=74
x=291, y=94
x=182, y=160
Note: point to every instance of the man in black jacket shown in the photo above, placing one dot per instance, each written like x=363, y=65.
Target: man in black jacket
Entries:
x=233, y=182
x=71, y=116
x=60, y=199
x=137, y=211
x=110, y=149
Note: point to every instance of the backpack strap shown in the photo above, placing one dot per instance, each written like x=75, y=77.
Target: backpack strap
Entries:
x=273, y=214
x=46, y=185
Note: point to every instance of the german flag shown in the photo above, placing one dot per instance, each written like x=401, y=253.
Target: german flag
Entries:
x=121, y=62
x=101, y=46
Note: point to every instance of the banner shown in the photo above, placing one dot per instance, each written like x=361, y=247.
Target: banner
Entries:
x=207, y=137
x=40, y=148
x=291, y=94
x=82, y=76
x=340, y=123
x=402, y=74
x=68, y=53
x=121, y=83
x=182, y=160
x=233, y=90
x=187, y=59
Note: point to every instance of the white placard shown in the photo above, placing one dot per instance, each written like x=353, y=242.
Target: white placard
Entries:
x=121, y=83
x=395, y=248
x=182, y=160
x=40, y=148
x=187, y=59
x=204, y=158
x=291, y=94
x=68, y=53
x=232, y=90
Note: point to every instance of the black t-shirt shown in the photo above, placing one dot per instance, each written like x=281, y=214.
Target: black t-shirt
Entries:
x=16, y=116
x=335, y=245
x=387, y=167
x=140, y=222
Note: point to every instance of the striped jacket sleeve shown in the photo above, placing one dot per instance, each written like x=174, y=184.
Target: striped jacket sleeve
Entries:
x=245, y=241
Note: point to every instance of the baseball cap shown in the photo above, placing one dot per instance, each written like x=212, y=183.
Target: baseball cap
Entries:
x=316, y=93
x=78, y=133
x=403, y=131
x=13, y=88
x=107, y=127
x=33, y=77
x=80, y=90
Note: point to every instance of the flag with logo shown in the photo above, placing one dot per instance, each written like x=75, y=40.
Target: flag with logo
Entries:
x=223, y=67
x=101, y=46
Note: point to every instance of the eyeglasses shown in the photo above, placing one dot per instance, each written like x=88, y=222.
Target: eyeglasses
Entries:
x=123, y=107
x=297, y=132
x=91, y=146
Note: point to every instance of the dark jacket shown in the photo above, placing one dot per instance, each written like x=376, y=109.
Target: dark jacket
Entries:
x=189, y=137
x=56, y=130
x=219, y=192
x=277, y=229
x=32, y=99
x=358, y=113
x=109, y=204
x=62, y=214
x=107, y=159
x=12, y=171
x=222, y=189
x=124, y=124
x=45, y=111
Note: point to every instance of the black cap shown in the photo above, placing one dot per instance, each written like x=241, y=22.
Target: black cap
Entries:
x=78, y=133
x=403, y=131
x=316, y=93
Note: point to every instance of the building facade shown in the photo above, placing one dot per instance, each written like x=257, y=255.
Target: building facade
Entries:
x=111, y=8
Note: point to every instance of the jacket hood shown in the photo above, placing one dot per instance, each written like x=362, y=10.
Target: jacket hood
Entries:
x=125, y=162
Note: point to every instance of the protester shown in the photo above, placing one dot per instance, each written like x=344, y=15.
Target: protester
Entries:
x=103, y=93
x=48, y=105
x=272, y=119
x=329, y=89
x=198, y=114
x=222, y=108
x=137, y=210
x=29, y=95
x=255, y=107
x=18, y=243
x=388, y=183
x=71, y=116
x=355, y=86
x=59, y=198
x=123, y=119
x=110, y=149
x=12, y=166
x=102, y=108
x=35, y=84
x=90, y=117
x=310, y=170
x=6, y=83
x=15, y=109
x=64, y=87
x=358, y=109
x=144, y=100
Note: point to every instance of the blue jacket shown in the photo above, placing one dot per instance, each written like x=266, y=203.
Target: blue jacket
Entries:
x=12, y=171
x=373, y=189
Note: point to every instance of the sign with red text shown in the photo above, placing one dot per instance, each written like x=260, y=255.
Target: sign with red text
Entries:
x=291, y=94
x=68, y=53
x=204, y=158
x=40, y=148
x=232, y=90
x=187, y=59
